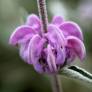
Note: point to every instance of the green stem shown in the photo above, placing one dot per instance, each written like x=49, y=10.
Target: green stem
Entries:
x=56, y=83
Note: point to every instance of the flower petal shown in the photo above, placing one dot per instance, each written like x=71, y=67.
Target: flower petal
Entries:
x=34, y=22
x=23, y=46
x=70, y=55
x=77, y=45
x=71, y=29
x=35, y=48
x=19, y=33
x=55, y=36
x=23, y=52
x=57, y=20
x=51, y=59
x=60, y=59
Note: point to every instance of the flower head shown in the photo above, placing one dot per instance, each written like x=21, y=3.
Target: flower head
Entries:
x=50, y=51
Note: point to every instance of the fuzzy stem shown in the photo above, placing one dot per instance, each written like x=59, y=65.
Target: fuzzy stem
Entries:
x=43, y=14
x=56, y=83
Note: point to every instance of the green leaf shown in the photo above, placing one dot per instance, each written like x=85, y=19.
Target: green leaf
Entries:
x=76, y=72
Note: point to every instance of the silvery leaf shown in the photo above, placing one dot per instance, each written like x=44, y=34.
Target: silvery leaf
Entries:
x=76, y=72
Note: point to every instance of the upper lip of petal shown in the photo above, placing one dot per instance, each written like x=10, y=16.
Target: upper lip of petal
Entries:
x=53, y=31
x=57, y=20
x=72, y=29
x=34, y=21
x=19, y=33
x=79, y=48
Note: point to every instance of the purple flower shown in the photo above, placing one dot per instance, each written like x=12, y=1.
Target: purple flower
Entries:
x=49, y=52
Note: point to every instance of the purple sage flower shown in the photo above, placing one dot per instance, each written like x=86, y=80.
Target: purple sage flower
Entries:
x=49, y=52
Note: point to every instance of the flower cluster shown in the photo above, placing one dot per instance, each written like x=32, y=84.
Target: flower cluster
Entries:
x=49, y=52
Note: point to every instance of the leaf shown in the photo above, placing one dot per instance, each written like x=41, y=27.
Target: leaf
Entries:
x=76, y=72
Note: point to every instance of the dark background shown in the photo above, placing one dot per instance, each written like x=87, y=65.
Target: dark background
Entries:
x=17, y=76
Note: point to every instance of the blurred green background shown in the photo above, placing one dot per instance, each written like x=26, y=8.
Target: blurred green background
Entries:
x=17, y=76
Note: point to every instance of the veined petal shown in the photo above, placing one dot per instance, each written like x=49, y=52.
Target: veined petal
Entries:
x=70, y=55
x=23, y=47
x=34, y=21
x=60, y=59
x=57, y=20
x=23, y=52
x=51, y=59
x=19, y=33
x=55, y=36
x=77, y=45
x=26, y=39
x=34, y=49
x=71, y=29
